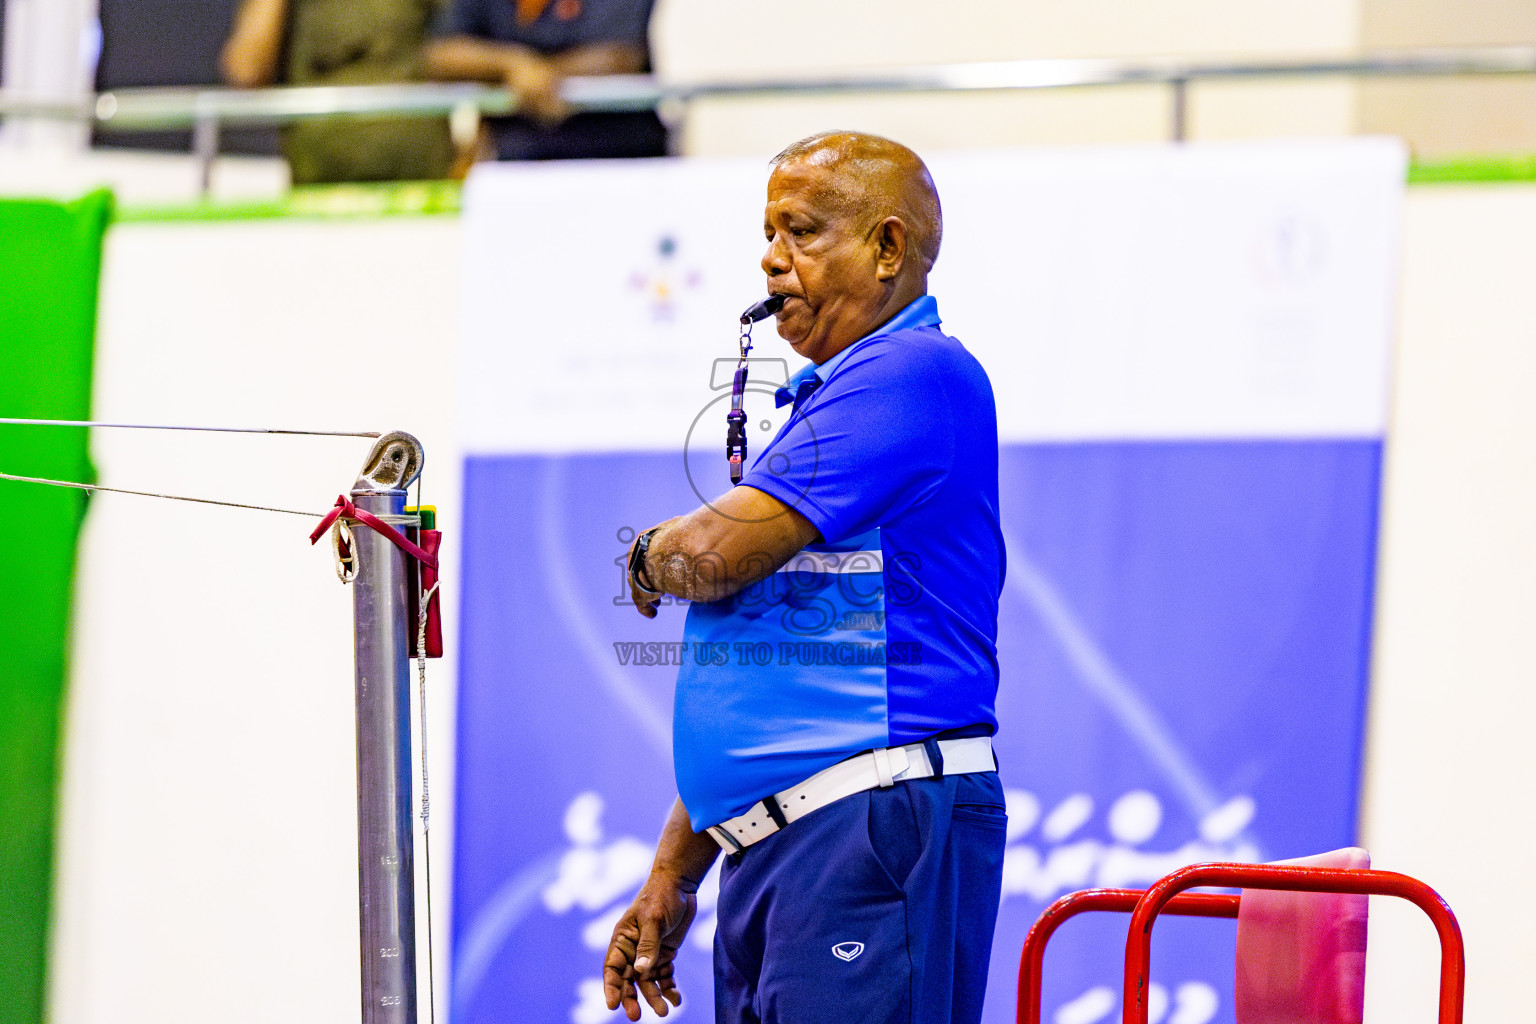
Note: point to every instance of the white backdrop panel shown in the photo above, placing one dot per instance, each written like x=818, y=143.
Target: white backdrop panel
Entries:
x=1218, y=290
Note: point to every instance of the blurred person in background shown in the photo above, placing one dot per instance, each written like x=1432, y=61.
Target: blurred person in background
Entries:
x=343, y=42
x=531, y=45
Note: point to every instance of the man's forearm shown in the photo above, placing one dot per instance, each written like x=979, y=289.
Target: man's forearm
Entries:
x=683, y=855
x=724, y=546
x=685, y=564
x=249, y=58
x=600, y=59
x=467, y=59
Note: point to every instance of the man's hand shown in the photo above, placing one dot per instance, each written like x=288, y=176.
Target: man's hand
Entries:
x=640, y=954
x=644, y=944
x=645, y=603
x=536, y=82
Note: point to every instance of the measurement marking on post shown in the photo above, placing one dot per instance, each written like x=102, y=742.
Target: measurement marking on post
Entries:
x=389, y=951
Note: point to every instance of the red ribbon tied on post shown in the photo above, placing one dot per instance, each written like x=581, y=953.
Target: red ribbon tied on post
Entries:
x=346, y=510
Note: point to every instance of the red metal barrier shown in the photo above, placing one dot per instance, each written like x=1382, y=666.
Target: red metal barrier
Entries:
x=1194, y=904
x=1161, y=897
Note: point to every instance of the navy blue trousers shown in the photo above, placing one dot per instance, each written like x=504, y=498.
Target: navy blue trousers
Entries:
x=877, y=908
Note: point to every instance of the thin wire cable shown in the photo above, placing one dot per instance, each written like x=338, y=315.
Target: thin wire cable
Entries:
x=215, y=430
x=152, y=494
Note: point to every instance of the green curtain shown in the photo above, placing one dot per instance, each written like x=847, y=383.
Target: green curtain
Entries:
x=50, y=261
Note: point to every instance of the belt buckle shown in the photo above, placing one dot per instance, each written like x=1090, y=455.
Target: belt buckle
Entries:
x=722, y=838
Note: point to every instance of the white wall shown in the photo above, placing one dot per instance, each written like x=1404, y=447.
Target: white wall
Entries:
x=207, y=867
x=1452, y=767
x=697, y=39
x=703, y=39
x=136, y=178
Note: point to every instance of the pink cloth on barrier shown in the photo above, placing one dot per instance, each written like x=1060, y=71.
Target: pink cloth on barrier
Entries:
x=1301, y=955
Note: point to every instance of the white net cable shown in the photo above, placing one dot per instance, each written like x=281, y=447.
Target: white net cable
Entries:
x=15, y=422
x=152, y=494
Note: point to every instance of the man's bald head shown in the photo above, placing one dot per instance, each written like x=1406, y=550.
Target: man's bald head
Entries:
x=875, y=178
x=852, y=224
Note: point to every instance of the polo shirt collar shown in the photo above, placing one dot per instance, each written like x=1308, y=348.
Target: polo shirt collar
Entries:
x=922, y=311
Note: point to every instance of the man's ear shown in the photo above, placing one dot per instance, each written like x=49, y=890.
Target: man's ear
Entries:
x=891, y=251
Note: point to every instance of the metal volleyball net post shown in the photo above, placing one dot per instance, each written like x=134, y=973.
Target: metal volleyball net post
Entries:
x=385, y=841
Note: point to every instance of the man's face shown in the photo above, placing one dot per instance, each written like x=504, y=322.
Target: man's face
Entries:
x=822, y=258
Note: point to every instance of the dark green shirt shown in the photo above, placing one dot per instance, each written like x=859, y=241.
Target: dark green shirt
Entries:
x=362, y=42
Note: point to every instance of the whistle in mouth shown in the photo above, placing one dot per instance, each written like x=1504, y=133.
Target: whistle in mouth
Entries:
x=763, y=310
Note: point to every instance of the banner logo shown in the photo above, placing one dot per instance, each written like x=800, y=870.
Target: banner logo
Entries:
x=665, y=280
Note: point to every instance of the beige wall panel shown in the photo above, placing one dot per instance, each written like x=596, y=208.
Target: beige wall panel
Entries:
x=708, y=39
x=1392, y=23
x=762, y=127
x=1451, y=769
x=1442, y=117
x=1272, y=109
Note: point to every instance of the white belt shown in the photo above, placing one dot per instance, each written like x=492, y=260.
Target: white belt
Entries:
x=883, y=767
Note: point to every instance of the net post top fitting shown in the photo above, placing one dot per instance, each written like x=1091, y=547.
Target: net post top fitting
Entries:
x=393, y=464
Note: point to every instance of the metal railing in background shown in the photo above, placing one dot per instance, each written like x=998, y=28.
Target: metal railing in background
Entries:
x=207, y=111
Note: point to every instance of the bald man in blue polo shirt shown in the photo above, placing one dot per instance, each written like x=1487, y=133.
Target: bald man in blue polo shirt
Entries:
x=834, y=739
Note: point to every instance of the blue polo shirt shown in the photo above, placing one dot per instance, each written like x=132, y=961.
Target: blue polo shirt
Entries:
x=885, y=631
